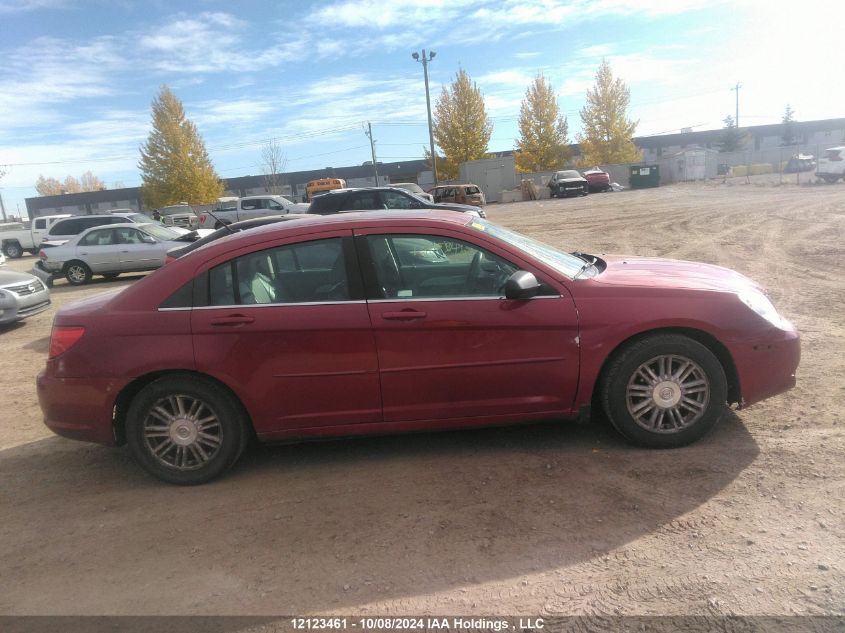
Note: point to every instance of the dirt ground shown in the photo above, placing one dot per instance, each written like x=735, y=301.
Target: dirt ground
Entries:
x=540, y=520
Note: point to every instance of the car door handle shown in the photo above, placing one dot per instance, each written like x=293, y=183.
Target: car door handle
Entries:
x=233, y=320
x=402, y=315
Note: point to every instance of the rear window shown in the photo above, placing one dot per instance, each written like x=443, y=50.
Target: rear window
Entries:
x=472, y=190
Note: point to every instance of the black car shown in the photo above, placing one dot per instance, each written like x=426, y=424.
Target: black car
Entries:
x=229, y=229
x=379, y=198
x=568, y=183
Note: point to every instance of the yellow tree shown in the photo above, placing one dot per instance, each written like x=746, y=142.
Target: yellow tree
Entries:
x=90, y=182
x=543, y=144
x=607, y=135
x=48, y=186
x=174, y=165
x=461, y=126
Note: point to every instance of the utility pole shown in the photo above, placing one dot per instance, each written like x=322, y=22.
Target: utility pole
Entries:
x=425, y=60
x=369, y=133
x=2, y=206
x=736, y=88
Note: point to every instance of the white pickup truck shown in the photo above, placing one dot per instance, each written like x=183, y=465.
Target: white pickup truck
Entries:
x=27, y=236
x=249, y=207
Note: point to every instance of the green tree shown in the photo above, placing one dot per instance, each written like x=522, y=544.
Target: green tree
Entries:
x=788, y=133
x=461, y=126
x=543, y=143
x=174, y=165
x=731, y=138
x=608, y=134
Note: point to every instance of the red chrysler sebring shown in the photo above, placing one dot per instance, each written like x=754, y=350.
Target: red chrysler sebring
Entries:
x=404, y=321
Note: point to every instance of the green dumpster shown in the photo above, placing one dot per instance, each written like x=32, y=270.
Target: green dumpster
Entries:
x=643, y=176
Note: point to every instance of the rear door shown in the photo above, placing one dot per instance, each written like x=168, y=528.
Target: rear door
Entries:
x=287, y=327
x=99, y=250
x=450, y=345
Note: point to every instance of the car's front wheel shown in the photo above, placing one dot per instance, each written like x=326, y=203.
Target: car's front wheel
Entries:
x=664, y=391
x=77, y=273
x=185, y=430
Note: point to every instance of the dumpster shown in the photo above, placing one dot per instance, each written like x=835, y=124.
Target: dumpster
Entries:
x=643, y=176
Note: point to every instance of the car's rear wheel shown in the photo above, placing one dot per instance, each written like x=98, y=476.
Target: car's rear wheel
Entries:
x=664, y=391
x=831, y=179
x=12, y=250
x=185, y=430
x=77, y=273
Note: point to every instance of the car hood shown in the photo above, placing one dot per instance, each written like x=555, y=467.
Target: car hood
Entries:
x=654, y=272
x=12, y=277
x=570, y=180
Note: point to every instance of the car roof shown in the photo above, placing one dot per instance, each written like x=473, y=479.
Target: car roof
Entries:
x=351, y=220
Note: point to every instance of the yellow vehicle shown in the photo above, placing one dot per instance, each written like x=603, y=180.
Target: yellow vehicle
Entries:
x=322, y=185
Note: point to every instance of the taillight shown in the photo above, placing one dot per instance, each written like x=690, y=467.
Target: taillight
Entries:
x=42, y=255
x=63, y=338
x=202, y=218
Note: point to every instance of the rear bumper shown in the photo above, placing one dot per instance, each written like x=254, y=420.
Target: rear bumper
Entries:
x=43, y=274
x=78, y=408
x=767, y=366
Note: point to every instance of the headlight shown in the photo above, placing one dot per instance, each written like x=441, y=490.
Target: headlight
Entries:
x=760, y=303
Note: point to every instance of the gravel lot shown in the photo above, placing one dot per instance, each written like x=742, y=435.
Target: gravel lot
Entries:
x=539, y=520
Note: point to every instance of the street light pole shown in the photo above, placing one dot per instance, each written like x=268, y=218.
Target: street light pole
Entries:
x=425, y=59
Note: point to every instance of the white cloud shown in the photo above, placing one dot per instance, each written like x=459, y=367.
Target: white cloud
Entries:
x=23, y=6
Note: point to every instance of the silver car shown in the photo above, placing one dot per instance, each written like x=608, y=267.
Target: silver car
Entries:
x=109, y=251
x=21, y=296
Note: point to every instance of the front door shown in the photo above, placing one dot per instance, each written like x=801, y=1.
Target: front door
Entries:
x=135, y=253
x=451, y=346
x=287, y=327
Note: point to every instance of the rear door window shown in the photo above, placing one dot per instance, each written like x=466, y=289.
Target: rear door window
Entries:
x=307, y=272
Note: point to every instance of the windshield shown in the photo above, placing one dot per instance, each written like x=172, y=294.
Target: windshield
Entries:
x=160, y=232
x=140, y=218
x=569, y=173
x=563, y=262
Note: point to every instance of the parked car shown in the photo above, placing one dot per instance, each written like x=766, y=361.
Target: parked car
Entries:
x=2, y=259
x=385, y=322
x=21, y=296
x=71, y=226
x=16, y=239
x=831, y=166
x=799, y=163
x=568, y=183
x=250, y=207
x=109, y=251
x=460, y=194
x=598, y=180
x=379, y=198
x=415, y=189
x=178, y=215
x=230, y=229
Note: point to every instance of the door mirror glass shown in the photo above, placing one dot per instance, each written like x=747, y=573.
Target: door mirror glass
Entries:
x=521, y=285
x=148, y=239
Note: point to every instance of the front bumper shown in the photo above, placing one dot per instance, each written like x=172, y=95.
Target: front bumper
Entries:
x=767, y=366
x=14, y=308
x=78, y=408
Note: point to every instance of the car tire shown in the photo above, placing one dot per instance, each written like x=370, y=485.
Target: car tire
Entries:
x=77, y=273
x=12, y=250
x=165, y=437
x=110, y=276
x=664, y=391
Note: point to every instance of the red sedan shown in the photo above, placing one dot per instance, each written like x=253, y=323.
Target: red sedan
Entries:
x=387, y=322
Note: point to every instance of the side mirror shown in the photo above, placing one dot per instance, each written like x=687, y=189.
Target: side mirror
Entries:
x=148, y=239
x=521, y=285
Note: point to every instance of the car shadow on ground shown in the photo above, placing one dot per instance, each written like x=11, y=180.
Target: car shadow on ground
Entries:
x=326, y=526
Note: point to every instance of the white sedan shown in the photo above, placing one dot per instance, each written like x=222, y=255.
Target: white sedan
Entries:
x=109, y=251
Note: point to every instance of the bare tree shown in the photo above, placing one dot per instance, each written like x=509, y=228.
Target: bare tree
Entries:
x=273, y=163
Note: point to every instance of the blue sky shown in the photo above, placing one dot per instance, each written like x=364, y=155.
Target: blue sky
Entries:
x=77, y=78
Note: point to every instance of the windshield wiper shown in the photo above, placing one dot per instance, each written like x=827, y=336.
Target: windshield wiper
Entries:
x=588, y=263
